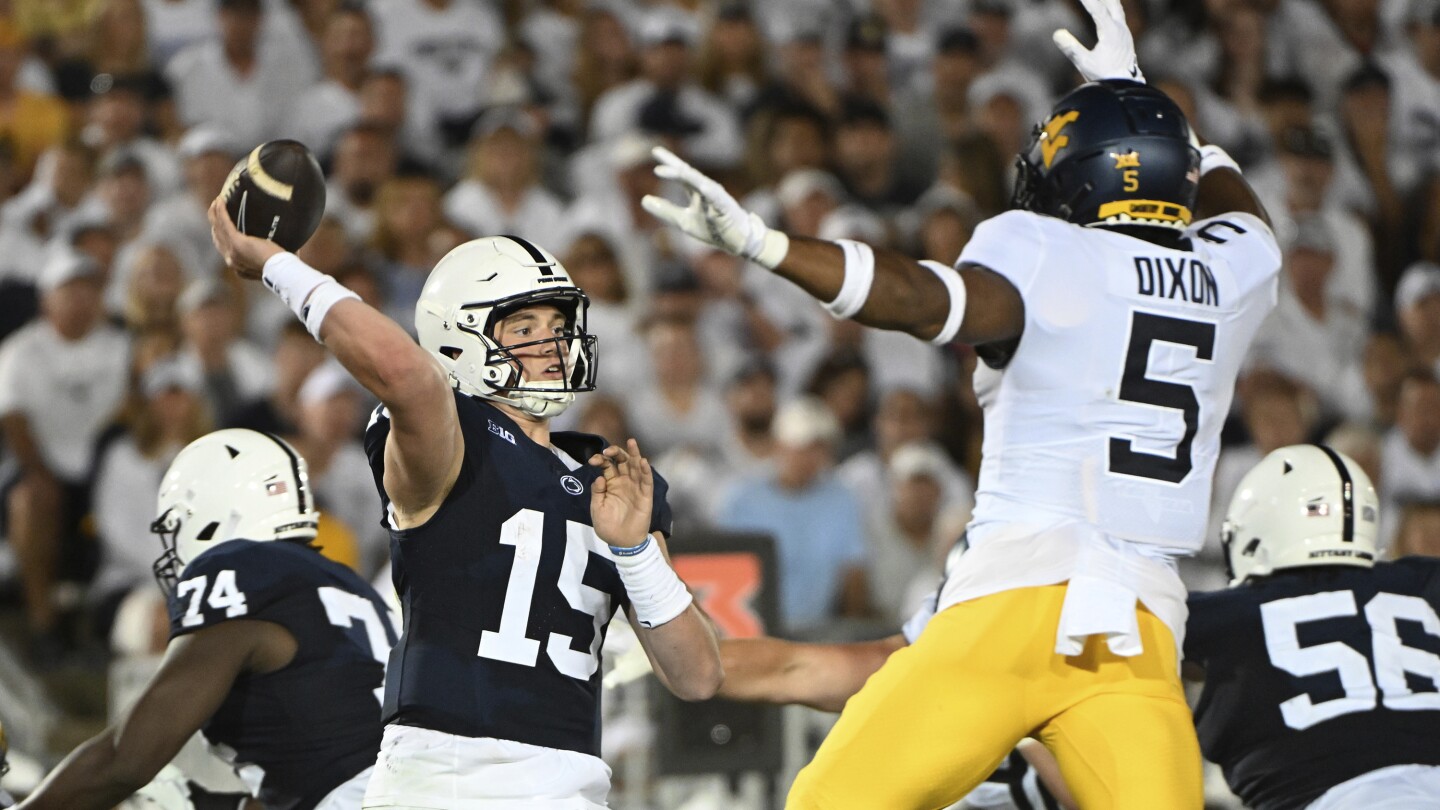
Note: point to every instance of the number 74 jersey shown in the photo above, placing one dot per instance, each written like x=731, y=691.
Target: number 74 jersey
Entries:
x=1109, y=410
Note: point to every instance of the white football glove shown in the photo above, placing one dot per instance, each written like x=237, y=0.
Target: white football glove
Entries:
x=1113, y=56
x=713, y=216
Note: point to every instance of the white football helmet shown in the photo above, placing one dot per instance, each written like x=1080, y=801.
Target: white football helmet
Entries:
x=1302, y=505
x=226, y=485
x=471, y=290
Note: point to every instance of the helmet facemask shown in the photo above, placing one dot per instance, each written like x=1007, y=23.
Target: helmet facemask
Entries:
x=504, y=368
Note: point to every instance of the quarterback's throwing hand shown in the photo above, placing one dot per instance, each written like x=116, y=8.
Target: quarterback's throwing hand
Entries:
x=245, y=254
x=621, y=500
x=1113, y=56
x=713, y=216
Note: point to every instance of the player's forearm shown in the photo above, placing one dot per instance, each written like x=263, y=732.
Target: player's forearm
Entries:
x=1225, y=190
x=768, y=670
x=821, y=676
x=905, y=296
x=686, y=654
x=95, y=775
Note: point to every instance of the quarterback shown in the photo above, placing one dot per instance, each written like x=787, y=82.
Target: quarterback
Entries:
x=512, y=546
x=1112, y=308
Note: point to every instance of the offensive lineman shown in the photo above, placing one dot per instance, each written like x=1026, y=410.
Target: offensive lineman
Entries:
x=276, y=654
x=1112, y=309
x=512, y=547
x=1291, y=710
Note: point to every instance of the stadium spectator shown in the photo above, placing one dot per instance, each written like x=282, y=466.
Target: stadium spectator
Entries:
x=731, y=65
x=332, y=409
x=1417, y=308
x=238, y=81
x=296, y=355
x=30, y=121
x=1410, y=457
x=903, y=418
x=62, y=379
x=445, y=48
x=178, y=218
x=817, y=529
x=407, y=220
x=153, y=284
x=365, y=157
x=712, y=133
x=1311, y=339
x=501, y=191
x=680, y=407
x=233, y=370
x=168, y=414
x=913, y=530
x=332, y=105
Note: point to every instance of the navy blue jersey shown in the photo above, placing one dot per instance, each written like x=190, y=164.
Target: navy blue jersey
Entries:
x=506, y=591
x=1316, y=676
x=304, y=729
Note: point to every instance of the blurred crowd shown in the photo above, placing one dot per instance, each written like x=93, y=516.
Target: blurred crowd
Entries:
x=890, y=121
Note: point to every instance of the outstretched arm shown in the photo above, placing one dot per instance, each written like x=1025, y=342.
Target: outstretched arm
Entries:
x=821, y=676
x=425, y=448
x=875, y=286
x=192, y=682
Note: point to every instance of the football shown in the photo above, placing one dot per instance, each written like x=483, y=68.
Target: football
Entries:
x=277, y=192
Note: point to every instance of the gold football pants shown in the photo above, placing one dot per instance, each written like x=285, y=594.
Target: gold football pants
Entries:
x=943, y=713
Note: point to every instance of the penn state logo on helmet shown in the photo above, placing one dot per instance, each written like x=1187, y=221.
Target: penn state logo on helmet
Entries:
x=477, y=285
x=1302, y=505
x=227, y=485
x=1111, y=153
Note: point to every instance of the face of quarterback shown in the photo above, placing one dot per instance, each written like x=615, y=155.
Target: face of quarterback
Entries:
x=542, y=362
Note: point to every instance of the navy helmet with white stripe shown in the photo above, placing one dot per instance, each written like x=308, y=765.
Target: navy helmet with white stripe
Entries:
x=477, y=285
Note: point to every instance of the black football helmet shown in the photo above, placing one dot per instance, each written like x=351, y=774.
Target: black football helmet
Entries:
x=1111, y=153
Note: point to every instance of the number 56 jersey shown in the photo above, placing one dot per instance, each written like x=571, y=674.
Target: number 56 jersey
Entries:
x=1316, y=676
x=1110, y=408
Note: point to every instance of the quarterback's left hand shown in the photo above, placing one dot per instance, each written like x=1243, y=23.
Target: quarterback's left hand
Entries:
x=1113, y=56
x=621, y=500
x=713, y=216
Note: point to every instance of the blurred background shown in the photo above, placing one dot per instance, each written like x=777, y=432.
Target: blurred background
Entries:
x=890, y=121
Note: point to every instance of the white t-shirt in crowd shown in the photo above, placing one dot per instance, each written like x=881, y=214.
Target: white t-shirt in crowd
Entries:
x=445, y=53
x=68, y=391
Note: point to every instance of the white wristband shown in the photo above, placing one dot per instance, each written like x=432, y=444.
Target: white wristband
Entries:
x=859, y=275
x=1213, y=157
x=655, y=591
x=322, y=298
x=955, y=286
x=308, y=292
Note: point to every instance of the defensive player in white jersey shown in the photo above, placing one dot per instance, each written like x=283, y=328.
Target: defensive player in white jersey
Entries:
x=1112, y=308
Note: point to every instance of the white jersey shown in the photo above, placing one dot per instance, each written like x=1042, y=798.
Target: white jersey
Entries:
x=1110, y=409
x=1102, y=430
